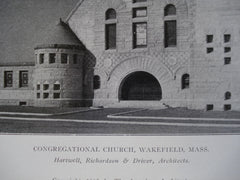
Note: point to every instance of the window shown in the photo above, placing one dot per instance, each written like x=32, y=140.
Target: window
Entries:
x=75, y=59
x=8, y=79
x=38, y=86
x=185, y=81
x=139, y=35
x=227, y=107
x=22, y=103
x=41, y=58
x=111, y=14
x=209, y=38
x=209, y=50
x=52, y=58
x=45, y=87
x=23, y=79
x=209, y=107
x=96, y=82
x=227, y=49
x=56, y=95
x=38, y=96
x=137, y=1
x=45, y=95
x=169, y=10
x=170, y=33
x=227, y=38
x=228, y=95
x=110, y=36
x=227, y=60
x=140, y=12
x=56, y=87
x=64, y=58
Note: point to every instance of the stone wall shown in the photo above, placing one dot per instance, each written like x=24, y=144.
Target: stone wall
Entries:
x=16, y=95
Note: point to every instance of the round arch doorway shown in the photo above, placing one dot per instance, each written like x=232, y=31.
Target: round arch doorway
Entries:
x=140, y=86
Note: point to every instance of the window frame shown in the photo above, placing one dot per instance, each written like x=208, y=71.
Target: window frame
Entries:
x=21, y=79
x=135, y=38
x=7, y=78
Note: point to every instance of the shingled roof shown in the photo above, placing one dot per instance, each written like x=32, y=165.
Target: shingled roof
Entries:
x=60, y=34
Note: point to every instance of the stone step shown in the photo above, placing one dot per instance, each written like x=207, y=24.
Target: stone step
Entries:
x=138, y=104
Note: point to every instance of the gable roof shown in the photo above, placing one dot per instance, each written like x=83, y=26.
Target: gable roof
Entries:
x=23, y=25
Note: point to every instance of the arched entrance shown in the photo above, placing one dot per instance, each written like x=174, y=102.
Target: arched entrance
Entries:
x=140, y=86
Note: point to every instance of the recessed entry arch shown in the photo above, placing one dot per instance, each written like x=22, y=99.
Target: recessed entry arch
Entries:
x=140, y=86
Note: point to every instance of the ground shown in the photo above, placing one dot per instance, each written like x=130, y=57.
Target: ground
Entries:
x=119, y=121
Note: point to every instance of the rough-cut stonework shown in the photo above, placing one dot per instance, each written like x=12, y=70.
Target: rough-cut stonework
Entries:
x=210, y=77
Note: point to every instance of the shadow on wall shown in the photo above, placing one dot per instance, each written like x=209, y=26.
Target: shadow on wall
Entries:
x=88, y=73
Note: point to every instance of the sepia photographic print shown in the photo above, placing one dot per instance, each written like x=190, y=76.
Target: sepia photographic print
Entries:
x=119, y=89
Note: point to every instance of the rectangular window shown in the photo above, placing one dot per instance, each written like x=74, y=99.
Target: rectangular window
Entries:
x=8, y=79
x=52, y=58
x=170, y=33
x=45, y=95
x=139, y=35
x=41, y=58
x=209, y=38
x=45, y=86
x=209, y=50
x=23, y=79
x=75, y=59
x=38, y=86
x=227, y=49
x=137, y=1
x=140, y=12
x=227, y=38
x=56, y=87
x=227, y=60
x=227, y=107
x=64, y=58
x=111, y=36
x=209, y=107
x=56, y=95
x=38, y=96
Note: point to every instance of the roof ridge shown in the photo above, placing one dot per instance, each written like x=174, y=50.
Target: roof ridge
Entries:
x=74, y=10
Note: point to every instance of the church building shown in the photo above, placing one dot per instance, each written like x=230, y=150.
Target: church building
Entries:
x=133, y=53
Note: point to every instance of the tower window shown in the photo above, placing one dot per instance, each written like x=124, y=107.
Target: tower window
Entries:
x=227, y=38
x=185, y=81
x=56, y=87
x=75, y=59
x=52, y=58
x=169, y=10
x=23, y=79
x=227, y=49
x=45, y=95
x=45, y=87
x=209, y=38
x=56, y=95
x=110, y=36
x=140, y=12
x=209, y=50
x=41, y=58
x=96, y=82
x=227, y=60
x=228, y=95
x=8, y=79
x=139, y=35
x=170, y=33
x=64, y=58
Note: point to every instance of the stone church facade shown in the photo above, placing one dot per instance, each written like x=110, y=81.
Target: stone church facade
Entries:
x=138, y=53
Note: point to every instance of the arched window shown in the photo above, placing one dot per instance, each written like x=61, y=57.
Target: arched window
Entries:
x=185, y=81
x=96, y=82
x=110, y=29
x=170, y=26
x=111, y=14
x=169, y=10
x=228, y=95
